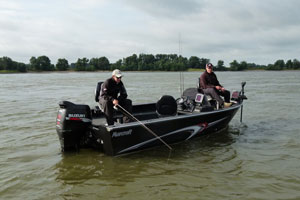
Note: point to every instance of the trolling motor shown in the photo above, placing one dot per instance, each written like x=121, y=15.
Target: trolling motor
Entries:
x=242, y=98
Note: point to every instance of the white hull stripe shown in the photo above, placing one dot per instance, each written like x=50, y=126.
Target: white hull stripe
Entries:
x=193, y=129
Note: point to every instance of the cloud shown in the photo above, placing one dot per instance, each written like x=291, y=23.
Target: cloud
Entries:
x=166, y=8
x=250, y=30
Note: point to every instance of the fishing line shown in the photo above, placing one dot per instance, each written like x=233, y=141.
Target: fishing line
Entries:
x=131, y=116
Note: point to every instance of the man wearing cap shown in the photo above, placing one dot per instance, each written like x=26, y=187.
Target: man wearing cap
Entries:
x=210, y=85
x=113, y=93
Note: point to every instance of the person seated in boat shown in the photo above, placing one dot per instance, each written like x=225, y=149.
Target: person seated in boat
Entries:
x=210, y=85
x=113, y=93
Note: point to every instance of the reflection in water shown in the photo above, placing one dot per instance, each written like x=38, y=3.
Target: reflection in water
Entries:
x=79, y=167
x=88, y=164
x=157, y=169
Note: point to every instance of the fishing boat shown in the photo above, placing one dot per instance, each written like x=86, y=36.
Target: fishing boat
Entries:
x=164, y=122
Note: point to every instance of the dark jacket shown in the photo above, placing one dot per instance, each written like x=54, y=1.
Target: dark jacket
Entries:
x=110, y=90
x=209, y=80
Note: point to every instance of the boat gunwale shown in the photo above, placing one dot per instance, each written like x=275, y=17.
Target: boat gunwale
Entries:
x=170, y=118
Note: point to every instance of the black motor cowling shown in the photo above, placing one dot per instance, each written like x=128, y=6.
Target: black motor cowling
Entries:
x=72, y=124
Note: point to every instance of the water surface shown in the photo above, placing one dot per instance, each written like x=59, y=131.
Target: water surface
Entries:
x=256, y=159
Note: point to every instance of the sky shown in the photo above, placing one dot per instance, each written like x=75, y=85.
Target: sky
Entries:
x=255, y=31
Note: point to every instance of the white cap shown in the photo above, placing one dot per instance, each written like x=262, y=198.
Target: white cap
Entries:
x=117, y=73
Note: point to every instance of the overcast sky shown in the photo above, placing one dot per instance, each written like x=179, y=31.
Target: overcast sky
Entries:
x=259, y=31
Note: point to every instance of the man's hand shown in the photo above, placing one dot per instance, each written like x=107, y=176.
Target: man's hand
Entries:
x=115, y=102
x=218, y=87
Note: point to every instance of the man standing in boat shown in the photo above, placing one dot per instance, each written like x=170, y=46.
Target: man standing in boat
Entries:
x=113, y=93
x=210, y=85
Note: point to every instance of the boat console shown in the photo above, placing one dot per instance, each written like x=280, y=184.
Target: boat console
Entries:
x=191, y=100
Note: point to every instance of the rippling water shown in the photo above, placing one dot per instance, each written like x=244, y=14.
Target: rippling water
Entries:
x=256, y=159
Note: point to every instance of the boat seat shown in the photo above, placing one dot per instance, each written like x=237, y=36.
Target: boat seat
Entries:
x=166, y=106
x=97, y=90
x=97, y=94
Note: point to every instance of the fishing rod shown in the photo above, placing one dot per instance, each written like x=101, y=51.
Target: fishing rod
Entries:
x=143, y=125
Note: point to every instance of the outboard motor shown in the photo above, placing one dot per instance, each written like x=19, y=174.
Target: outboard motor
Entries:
x=72, y=124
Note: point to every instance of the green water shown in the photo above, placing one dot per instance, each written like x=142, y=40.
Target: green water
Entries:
x=258, y=159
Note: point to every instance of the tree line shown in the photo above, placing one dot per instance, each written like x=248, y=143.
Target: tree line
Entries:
x=141, y=62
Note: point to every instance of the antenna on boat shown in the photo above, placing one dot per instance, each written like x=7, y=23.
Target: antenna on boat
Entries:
x=181, y=82
x=124, y=111
x=180, y=73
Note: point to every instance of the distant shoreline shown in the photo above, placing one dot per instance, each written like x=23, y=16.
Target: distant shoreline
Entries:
x=189, y=70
